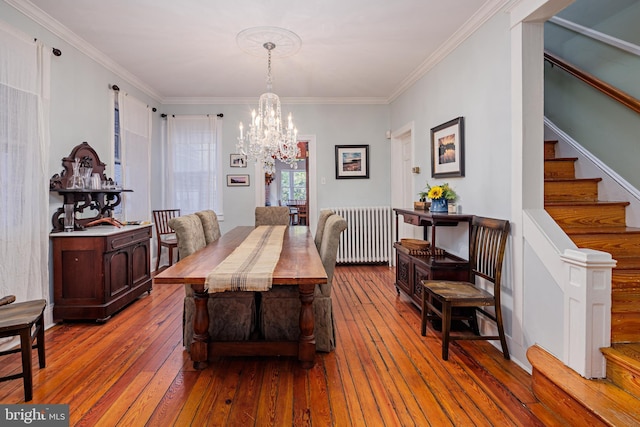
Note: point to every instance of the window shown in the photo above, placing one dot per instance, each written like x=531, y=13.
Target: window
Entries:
x=117, y=161
x=293, y=185
x=194, y=164
x=132, y=156
x=24, y=159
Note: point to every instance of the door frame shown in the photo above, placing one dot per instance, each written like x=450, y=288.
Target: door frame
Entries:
x=312, y=172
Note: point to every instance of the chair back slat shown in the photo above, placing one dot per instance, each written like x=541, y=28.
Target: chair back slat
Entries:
x=488, y=245
x=161, y=219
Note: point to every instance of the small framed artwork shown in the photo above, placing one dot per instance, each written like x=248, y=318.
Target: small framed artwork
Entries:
x=447, y=149
x=237, y=180
x=352, y=161
x=238, y=161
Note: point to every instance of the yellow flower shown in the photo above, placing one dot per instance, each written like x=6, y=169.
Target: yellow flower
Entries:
x=435, y=192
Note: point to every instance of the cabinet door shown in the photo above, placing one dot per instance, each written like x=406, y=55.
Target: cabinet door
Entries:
x=140, y=263
x=419, y=273
x=403, y=272
x=77, y=271
x=118, y=271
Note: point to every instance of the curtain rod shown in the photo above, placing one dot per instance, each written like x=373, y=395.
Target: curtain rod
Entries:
x=164, y=116
x=55, y=51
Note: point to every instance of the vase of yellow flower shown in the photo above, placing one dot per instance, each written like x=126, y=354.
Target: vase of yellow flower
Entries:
x=440, y=196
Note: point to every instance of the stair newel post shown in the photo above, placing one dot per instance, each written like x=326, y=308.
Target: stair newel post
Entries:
x=587, y=310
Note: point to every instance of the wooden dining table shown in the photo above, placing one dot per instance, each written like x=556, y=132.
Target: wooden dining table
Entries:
x=299, y=265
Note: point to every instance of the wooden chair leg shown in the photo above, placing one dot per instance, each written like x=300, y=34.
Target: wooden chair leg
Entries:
x=503, y=339
x=446, y=329
x=42, y=361
x=170, y=256
x=423, y=323
x=158, y=254
x=473, y=322
x=25, y=346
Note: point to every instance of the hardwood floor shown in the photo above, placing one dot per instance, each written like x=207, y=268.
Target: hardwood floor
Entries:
x=133, y=370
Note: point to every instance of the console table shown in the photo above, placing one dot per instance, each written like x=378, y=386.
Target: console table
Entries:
x=411, y=269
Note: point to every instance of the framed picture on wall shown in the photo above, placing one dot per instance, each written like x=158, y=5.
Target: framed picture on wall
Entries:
x=352, y=161
x=237, y=180
x=238, y=161
x=447, y=149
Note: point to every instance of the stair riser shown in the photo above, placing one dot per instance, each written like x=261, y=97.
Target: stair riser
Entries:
x=571, y=190
x=624, y=376
x=625, y=283
x=588, y=216
x=625, y=327
x=625, y=244
x=550, y=149
x=561, y=403
x=559, y=169
x=625, y=316
x=628, y=264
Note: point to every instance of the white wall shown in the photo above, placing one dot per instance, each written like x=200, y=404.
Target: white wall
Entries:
x=475, y=81
x=332, y=125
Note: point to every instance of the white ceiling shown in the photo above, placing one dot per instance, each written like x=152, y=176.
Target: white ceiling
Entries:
x=352, y=50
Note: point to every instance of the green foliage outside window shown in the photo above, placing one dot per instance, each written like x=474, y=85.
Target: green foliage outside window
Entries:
x=293, y=185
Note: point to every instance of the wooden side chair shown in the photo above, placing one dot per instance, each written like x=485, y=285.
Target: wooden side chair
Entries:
x=165, y=236
x=302, y=214
x=18, y=320
x=439, y=297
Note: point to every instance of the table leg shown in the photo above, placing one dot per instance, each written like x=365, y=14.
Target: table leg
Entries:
x=307, y=343
x=199, y=351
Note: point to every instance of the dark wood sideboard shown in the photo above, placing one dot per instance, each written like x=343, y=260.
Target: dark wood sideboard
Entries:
x=411, y=269
x=98, y=271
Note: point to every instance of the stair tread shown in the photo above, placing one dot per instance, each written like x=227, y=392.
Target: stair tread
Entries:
x=601, y=397
x=602, y=230
x=561, y=159
x=629, y=351
x=572, y=203
x=573, y=179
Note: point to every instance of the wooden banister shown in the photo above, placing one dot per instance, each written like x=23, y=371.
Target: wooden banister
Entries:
x=614, y=93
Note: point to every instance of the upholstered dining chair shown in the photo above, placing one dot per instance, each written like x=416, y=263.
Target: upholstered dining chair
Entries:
x=272, y=215
x=440, y=297
x=322, y=219
x=18, y=320
x=210, y=225
x=232, y=315
x=164, y=234
x=280, y=306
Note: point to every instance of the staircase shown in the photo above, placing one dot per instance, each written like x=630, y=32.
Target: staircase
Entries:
x=591, y=223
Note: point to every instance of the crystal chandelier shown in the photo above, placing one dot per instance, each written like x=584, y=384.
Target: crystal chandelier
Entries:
x=266, y=141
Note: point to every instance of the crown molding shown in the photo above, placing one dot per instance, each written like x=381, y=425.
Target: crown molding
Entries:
x=287, y=101
x=487, y=11
x=45, y=20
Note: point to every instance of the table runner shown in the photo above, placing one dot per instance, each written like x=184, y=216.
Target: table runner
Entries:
x=250, y=266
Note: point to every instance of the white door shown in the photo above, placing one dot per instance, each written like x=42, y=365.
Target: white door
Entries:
x=403, y=192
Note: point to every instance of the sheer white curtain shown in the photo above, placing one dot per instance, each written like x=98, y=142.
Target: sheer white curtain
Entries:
x=194, y=164
x=24, y=158
x=135, y=129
